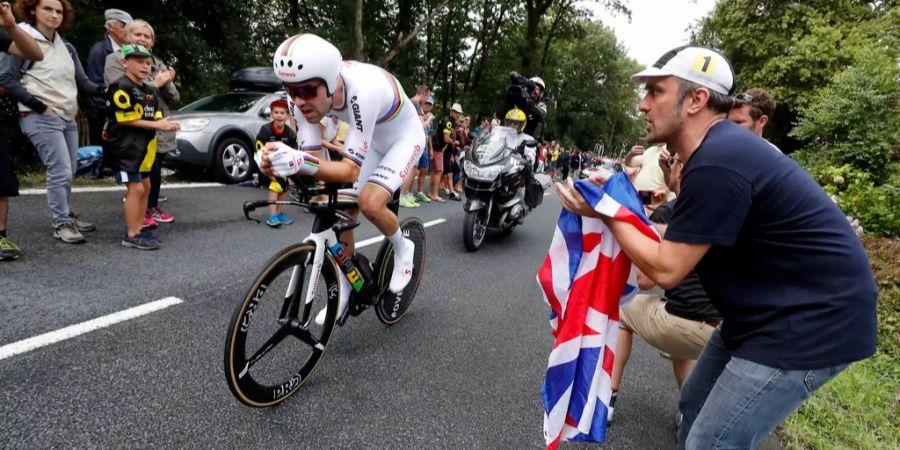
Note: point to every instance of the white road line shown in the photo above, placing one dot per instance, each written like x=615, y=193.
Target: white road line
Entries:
x=79, y=189
x=377, y=239
x=52, y=337
x=69, y=332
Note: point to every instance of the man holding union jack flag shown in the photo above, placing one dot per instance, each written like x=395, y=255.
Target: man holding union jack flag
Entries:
x=777, y=257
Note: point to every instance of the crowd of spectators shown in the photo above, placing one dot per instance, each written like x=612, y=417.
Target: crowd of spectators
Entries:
x=40, y=103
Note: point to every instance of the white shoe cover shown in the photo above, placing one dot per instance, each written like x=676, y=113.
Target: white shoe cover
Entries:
x=403, y=267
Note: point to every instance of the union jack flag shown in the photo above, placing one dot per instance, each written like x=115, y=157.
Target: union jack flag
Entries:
x=585, y=278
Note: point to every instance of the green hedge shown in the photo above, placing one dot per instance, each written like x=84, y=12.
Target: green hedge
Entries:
x=876, y=207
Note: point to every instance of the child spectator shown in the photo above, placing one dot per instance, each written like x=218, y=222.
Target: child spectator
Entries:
x=276, y=131
x=130, y=140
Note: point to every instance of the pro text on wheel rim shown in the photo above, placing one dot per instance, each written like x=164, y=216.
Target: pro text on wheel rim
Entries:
x=273, y=344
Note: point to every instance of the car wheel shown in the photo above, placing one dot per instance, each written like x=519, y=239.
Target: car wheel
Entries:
x=233, y=161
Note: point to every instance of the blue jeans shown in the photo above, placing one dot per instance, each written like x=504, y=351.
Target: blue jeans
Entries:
x=56, y=141
x=733, y=403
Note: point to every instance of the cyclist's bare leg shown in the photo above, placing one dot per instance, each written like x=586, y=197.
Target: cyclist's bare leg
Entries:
x=373, y=204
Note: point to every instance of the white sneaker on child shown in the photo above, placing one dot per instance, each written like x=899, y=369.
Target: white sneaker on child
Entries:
x=403, y=266
x=343, y=301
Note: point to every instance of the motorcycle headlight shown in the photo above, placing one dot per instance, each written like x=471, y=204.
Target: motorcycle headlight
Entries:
x=194, y=124
x=488, y=173
x=516, y=164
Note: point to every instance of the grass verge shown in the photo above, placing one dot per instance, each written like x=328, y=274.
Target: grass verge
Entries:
x=860, y=408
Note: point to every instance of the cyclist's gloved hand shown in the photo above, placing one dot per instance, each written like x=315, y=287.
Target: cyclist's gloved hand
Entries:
x=287, y=161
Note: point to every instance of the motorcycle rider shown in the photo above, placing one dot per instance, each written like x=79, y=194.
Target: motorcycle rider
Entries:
x=515, y=118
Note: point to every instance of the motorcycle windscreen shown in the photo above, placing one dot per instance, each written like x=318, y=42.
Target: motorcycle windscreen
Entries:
x=492, y=146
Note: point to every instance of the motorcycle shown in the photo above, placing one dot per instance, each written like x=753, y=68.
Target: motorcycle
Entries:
x=499, y=192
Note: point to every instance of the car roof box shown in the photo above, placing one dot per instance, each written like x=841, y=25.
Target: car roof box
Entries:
x=255, y=79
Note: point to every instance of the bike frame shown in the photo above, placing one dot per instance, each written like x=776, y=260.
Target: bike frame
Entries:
x=325, y=239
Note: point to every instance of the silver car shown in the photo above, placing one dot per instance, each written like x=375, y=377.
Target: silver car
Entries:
x=219, y=133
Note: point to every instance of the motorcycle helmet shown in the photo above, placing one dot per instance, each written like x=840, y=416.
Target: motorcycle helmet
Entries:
x=538, y=81
x=515, y=118
x=305, y=57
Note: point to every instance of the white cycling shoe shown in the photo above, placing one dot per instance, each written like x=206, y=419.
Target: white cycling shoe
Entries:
x=343, y=301
x=403, y=267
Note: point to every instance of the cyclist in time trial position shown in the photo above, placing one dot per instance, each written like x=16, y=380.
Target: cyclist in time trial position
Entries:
x=383, y=144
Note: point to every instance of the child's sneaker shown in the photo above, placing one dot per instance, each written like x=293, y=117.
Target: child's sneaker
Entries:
x=160, y=216
x=284, y=220
x=149, y=222
x=273, y=221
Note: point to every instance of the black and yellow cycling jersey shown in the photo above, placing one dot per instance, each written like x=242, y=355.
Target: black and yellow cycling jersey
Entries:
x=127, y=148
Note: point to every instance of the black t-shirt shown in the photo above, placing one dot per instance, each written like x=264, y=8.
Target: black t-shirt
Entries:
x=268, y=134
x=129, y=148
x=687, y=300
x=5, y=41
x=785, y=270
x=443, y=127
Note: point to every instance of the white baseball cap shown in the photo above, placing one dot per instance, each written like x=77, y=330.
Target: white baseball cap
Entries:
x=456, y=107
x=700, y=65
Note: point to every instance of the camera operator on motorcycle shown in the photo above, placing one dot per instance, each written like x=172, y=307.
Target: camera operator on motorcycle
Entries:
x=526, y=95
x=383, y=143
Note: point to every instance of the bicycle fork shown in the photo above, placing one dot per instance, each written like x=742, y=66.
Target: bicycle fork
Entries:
x=321, y=241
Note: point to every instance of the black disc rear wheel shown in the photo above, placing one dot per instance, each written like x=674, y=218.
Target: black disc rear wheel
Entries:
x=273, y=343
x=391, y=307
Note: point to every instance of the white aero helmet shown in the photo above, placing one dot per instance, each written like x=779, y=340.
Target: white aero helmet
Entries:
x=538, y=81
x=305, y=57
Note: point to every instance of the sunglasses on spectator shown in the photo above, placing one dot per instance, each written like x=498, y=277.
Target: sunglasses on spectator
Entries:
x=744, y=97
x=307, y=92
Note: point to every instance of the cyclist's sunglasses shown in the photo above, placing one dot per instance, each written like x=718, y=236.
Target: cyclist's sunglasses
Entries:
x=307, y=92
x=744, y=97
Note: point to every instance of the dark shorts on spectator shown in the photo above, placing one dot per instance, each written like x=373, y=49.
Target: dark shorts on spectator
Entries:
x=123, y=177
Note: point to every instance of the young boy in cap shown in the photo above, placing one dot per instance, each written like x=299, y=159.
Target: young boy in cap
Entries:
x=129, y=140
x=276, y=131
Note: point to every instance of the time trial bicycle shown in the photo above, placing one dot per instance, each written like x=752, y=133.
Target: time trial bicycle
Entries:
x=273, y=345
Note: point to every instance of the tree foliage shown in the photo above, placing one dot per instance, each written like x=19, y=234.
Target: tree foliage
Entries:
x=794, y=48
x=855, y=119
x=464, y=49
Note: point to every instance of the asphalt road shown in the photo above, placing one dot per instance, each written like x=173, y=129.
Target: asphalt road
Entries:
x=462, y=370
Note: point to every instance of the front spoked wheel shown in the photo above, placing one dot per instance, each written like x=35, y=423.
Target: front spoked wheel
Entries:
x=273, y=344
x=475, y=228
x=391, y=307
